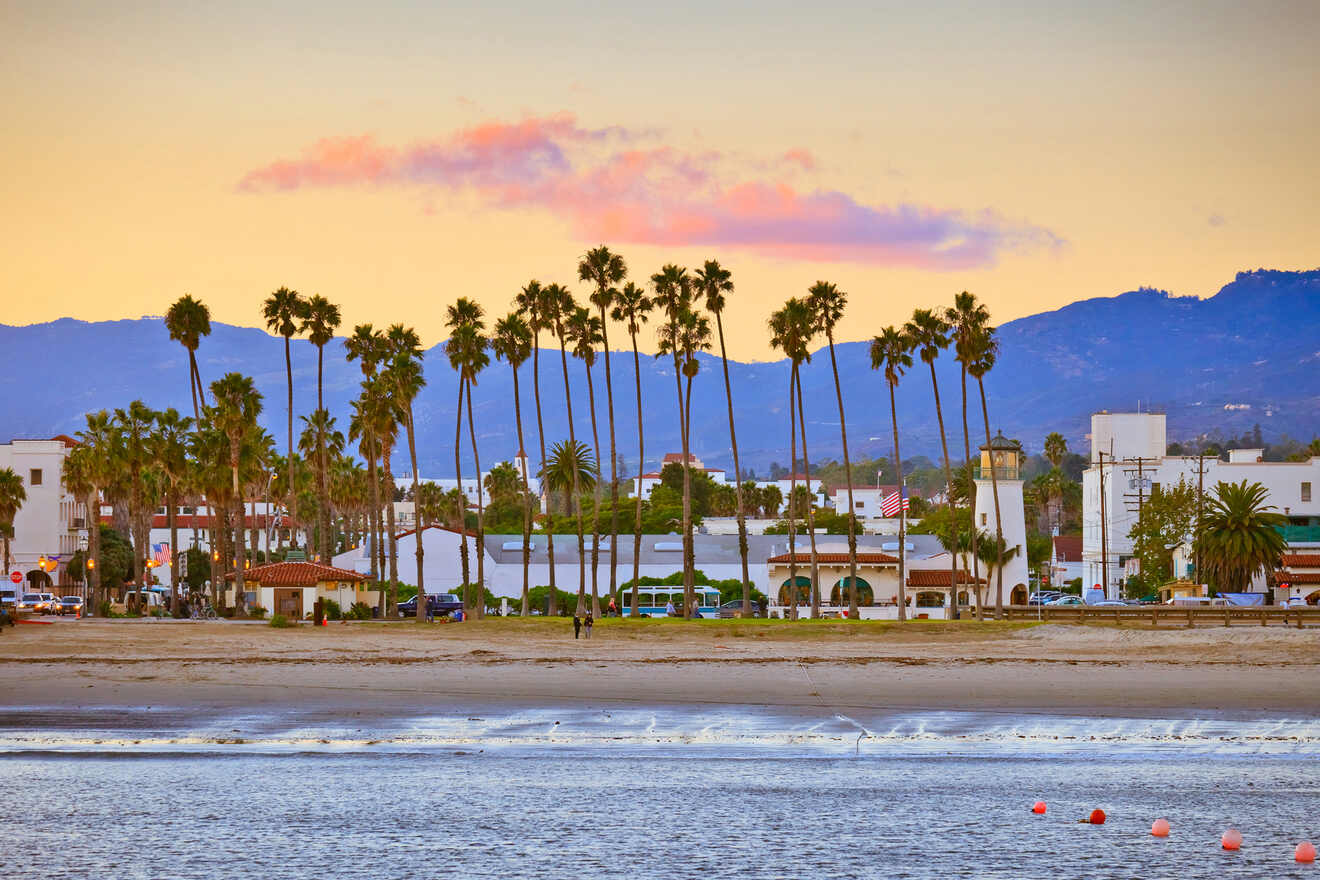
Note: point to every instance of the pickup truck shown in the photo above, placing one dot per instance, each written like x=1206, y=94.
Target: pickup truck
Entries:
x=441, y=605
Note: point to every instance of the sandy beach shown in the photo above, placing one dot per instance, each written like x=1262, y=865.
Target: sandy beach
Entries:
x=401, y=669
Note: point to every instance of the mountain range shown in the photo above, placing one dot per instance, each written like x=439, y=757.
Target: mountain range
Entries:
x=1248, y=355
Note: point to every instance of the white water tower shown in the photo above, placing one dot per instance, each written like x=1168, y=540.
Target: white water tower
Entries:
x=1006, y=458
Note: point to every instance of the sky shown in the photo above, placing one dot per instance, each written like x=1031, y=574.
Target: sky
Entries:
x=395, y=156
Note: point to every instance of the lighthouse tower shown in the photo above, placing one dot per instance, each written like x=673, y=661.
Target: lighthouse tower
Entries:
x=1006, y=458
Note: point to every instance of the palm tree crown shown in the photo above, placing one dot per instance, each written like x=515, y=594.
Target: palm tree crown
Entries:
x=1240, y=535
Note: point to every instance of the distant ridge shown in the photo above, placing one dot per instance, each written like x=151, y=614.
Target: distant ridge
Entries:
x=1253, y=346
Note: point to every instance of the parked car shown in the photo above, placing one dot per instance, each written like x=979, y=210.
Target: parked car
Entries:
x=734, y=609
x=440, y=605
x=1109, y=603
x=1044, y=597
x=69, y=605
x=1067, y=600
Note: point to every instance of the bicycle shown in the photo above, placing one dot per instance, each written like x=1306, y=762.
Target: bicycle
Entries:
x=202, y=610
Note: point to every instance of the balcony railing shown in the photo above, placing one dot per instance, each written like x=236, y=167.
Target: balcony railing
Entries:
x=1300, y=534
x=1003, y=472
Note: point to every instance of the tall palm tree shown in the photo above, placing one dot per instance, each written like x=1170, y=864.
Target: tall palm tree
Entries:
x=790, y=332
x=133, y=427
x=570, y=469
x=319, y=433
x=79, y=481
x=512, y=342
x=322, y=321
x=983, y=351
x=585, y=330
x=828, y=302
x=285, y=312
x=188, y=320
x=605, y=270
x=381, y=416
x=467, y=354
x=404, y=380
x=169, y=449
x=463, y=319
x=995, y=555
x=1240, y=536
x=360, y=430
x=714, y=282
x=632, y=306
x=967, y=318
x=12, y=496
x=237, y=405
x=1056, y=447
x=891, y=351
x=557, y=305
x=94, y=447
x=529, y=303
x=929, y=333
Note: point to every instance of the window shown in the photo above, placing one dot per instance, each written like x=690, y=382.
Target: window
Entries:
x=1306, y=491
x=983, y=516
x=859, y=505
x=34, y=477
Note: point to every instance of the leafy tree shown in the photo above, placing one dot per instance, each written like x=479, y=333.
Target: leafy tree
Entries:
x=12, y=496
x=1165, y=523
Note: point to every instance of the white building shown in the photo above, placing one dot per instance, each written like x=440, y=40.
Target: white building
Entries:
x=471, y=485
x=1005, y=457
x=1128, y=458
x=51, y=524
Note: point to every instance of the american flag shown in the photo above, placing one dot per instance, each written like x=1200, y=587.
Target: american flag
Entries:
x=889, y=506
x=161, y=553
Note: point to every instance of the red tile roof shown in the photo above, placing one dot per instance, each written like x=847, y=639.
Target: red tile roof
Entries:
x=1301, y=560
x=838, y=558
x=677, y=458
x=1068, y=548
x=937, y=578
x=296, y=574
x=1292, y=577
x=440, y=528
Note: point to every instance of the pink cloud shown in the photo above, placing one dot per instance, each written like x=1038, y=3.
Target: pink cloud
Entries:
x=657, y=195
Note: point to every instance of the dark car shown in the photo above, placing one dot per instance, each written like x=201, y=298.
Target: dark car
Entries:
x=440, y=605
x=69, y=605
x=734, y=609
x=1044, y=597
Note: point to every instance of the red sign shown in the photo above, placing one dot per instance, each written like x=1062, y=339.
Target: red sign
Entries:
x=16, y=577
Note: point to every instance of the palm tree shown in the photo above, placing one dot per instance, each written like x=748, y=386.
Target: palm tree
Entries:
x=512, y=342
x=1240, y=535
x=713, y=282
x=966, y=319
x=321, y=323
x=828, y=302
x=285, y=312
x=995, y=555
x=170, y=450
x=94, y=448
x=983, y=351
x=586, y=331
x=631, y=306
x=464, y=323
x=530, y=302
x=404, y=380
x=188, y=320
x=790, y=331
x=133, y=426
x=79, y=481
x=360, y=430
x=320, y=436
x=891, y=351
x=237, y=405
x=468, y=344
x=557, y=306
x=378, y=424
x=605, y=270
x=12, y=496
x=929, y=333
x=1056, y=447
x=570, y=469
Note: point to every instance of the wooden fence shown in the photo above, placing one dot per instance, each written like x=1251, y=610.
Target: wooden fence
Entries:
x=1170, y=615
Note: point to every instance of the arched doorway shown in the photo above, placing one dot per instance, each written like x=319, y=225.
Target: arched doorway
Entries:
x=39, y=581
x=839, y=592
x=1018, y=596
x=803, y=591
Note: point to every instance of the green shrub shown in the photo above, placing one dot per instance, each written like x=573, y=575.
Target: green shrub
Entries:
x=104, y=609
x=332, y=609
x=359, y=611
x=279, y=621
x=257, y=611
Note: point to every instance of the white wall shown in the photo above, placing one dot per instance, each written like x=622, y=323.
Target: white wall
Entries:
x=44, y=524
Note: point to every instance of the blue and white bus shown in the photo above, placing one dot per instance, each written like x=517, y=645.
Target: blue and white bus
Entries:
x=654, y=601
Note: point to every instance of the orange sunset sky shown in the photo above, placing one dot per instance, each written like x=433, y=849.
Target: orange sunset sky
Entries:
x=394, y=156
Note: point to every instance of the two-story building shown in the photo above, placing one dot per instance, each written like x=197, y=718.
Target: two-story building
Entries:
x=51, y=525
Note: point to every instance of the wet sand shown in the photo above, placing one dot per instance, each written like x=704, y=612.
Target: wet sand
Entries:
x=54, y=675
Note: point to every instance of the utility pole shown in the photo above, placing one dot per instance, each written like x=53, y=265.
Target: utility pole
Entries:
x=1104, y=534
x=1200, y=496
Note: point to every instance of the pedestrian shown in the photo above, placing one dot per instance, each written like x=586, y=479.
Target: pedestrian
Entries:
x=577, y=625
x=612, y=611
x=587, y=623
x=669, y=609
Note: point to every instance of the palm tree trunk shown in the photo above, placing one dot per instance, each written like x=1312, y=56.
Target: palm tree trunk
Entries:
x=737, y=473
x=614, y=477
x=575, y=509
x=386, y=451
x=240, y=552
x=481, y=513
x=971, y=484
x=953, y=519
x=552, y=601
x=902, y=513
x=461, y=502
x=412, y=454
x=641, y=469
x=526, y=499
x=193, y=380
x=689, y=556
x=999, y=528
x=847, y=471
x=811, y=515
x=322, y=477
x=293, y=490
x=792, y=491
x=595, y=512
x=172, y=514
x=93, y=504
x=683, y=445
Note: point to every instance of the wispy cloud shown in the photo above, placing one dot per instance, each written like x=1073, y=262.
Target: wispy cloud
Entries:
x=609, y=188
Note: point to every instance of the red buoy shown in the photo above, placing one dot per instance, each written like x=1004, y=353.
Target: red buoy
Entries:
x=1038, y=808
x=1305, y=852
x=1231, y=840
x=1160, y=828
x=1097, y=817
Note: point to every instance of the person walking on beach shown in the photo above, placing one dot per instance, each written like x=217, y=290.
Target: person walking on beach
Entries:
x=612, y=611
x=587, y=623
x=577, y=626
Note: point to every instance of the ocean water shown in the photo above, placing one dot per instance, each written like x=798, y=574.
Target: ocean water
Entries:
x=673, y=793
